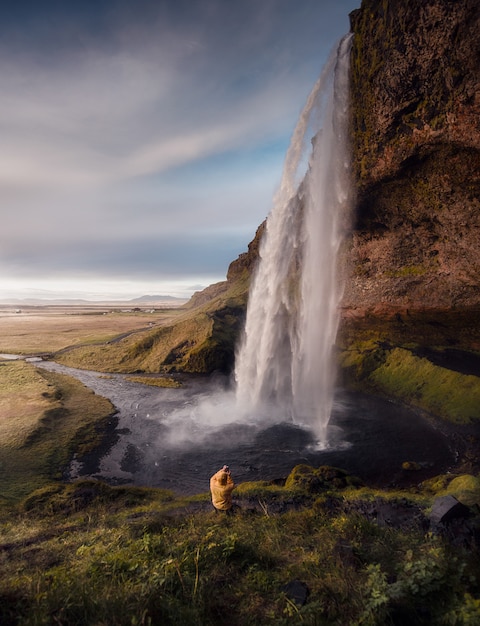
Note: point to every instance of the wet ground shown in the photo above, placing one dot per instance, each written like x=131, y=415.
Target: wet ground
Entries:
x=176, y=438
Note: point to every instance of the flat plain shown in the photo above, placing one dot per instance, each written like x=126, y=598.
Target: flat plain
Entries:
x=49, y=328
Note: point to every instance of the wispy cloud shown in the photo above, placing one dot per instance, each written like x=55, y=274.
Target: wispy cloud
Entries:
x=101, y=108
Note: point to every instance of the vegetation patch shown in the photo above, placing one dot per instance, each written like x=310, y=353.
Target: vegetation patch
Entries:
x=466, y=488
x=78, y=496
x=87, y=553
x=155, y=382
x=201, y=340
x=58, y=416
x=442, y=392
x=24, y=395
x=321, y=479
x=45, y=329
x=428, y=360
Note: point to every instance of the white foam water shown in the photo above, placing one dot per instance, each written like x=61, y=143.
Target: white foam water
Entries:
x=284, y=363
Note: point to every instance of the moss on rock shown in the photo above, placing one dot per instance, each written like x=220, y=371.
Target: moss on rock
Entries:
x=464, y=487
x=398, y=373
x=316, y=480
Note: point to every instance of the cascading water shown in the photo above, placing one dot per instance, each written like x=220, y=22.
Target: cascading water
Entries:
x=284, y=362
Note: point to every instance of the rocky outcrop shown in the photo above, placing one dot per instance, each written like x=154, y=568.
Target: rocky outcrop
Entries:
x=415, y=102
x=247, y=261
x=239, y=270
x=415, y=81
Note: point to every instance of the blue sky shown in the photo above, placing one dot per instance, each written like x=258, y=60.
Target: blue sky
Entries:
x=142, y=141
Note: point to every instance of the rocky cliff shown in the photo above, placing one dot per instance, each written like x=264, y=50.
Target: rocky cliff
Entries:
x=410, y=327
x=415, y=102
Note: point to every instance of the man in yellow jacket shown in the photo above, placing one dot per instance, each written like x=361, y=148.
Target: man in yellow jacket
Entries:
x=221, y=487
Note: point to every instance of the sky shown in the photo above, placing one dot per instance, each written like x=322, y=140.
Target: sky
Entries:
x=142, y=141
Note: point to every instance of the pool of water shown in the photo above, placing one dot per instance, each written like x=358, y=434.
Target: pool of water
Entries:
x=177, y=438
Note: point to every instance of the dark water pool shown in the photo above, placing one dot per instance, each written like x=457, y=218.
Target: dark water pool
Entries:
x=176, y=438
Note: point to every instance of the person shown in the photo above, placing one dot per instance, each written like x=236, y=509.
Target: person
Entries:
x=221, y=487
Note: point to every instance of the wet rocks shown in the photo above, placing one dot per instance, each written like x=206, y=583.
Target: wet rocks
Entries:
x=393, y=513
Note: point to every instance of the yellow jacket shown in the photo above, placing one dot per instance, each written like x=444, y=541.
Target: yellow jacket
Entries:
x=221, y=487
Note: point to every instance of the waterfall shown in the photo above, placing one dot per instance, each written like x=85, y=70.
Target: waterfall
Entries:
x=284, y=363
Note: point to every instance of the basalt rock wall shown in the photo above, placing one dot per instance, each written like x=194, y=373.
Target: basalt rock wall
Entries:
x=415, y=128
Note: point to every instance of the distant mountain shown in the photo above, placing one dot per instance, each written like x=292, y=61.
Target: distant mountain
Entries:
x=85, y=302
x=157, y=299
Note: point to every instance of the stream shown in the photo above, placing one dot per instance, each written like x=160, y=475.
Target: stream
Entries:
x=175, y=438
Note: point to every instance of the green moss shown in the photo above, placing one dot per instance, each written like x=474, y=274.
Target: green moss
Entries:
x=315, y=480
x=407, y=270
x=437, y=484
x=383, y=355
x=465, y=488
x=448, y=394
x=155, y=382
x=361, y=359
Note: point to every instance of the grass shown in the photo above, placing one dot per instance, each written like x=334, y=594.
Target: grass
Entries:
x=442, y=392
x=24, y=395
x=163, y=381
x=45, y=418
x=50, y=329
x=145, y=351
x=384, y=356
x=86, y=553
x=198, y=340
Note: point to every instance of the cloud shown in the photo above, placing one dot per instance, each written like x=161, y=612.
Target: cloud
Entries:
x=125, y=124
x=101, y=118
x=154, y=258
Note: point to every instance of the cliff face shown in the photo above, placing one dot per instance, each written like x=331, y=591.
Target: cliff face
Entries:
x=415, y=133
x=411, y=325
x=415, y=102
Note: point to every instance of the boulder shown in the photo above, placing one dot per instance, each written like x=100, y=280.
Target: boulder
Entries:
x=447, y=508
